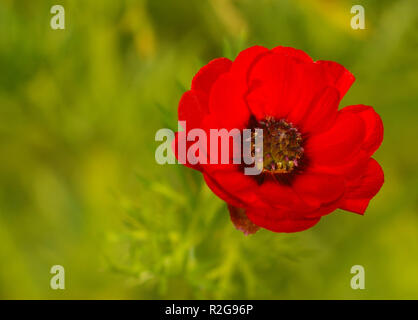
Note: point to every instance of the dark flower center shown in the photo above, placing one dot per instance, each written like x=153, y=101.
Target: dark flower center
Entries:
x=282, y=145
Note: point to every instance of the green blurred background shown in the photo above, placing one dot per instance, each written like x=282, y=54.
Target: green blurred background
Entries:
x=79, y=185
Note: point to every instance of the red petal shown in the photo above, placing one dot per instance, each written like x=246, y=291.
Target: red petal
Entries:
x=317, y=189
x=231, y=183
x=208, y=74
x=364, y=187
x=266, y=219
x=244, y=62
x=285, y=199
x=368, y=183
x=238, y=79
x=287, y=84
x=292, y=52
x=322, y=111
x=337, y=75
x=312, y=86
x=355, y=205
x=227, y=104
x=322, y=211
x=275, y=83
x=193, y=106
x=221, y=192
x=374, y=127
x=281, y=197
x=241, y=221
x=339, y=144
x=347, y=146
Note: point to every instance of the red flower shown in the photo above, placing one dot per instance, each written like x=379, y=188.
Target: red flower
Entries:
x=316, y=158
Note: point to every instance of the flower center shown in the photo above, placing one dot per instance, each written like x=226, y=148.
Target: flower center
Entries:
x=282, y=145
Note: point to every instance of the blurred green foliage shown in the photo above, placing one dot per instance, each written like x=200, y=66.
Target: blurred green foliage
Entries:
x=79, y=185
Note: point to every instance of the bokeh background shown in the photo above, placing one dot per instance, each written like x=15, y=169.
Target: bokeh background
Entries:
x=79, y=185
